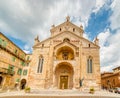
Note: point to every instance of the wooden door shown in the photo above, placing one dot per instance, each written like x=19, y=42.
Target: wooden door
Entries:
x=63, y=82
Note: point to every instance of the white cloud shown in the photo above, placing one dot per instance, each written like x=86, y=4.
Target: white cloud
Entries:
x=109, y=41
x=27, y=51
x=106, y=68
x=99, y=4
x=109, y=51
x=115, y=18
x=85, y=36
x=26, y=47
x=25, y=19
x=103, y=37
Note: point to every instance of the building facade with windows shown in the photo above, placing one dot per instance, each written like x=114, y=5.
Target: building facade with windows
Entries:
x=111, y=79
x=13, y=64
x=66, y=60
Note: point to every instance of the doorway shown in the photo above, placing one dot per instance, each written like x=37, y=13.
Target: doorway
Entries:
x=64, y=76
x=63, y=82
x=23, y=83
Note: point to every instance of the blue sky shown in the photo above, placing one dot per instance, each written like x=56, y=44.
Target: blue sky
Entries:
x=18, y=42
x=98, y=22
x=21, y=21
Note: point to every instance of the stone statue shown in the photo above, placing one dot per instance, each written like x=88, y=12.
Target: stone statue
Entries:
x=68, y=18
x=53, y=26
x=81, y=26
x=81, y=82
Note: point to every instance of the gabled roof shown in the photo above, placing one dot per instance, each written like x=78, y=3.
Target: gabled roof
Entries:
x=67, y=33
x=66, y=23
x=78, y=37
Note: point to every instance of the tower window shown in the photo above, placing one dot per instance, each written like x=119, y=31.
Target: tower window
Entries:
x=60, y=29
x=73, y=29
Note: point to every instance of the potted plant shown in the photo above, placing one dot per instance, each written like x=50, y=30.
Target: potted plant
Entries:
x=27, y=89
x=92, y=90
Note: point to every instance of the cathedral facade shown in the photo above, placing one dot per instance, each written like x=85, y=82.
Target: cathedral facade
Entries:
x=66, y=60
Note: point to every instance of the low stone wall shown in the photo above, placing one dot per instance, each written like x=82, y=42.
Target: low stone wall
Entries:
x=59, y=97
x=58, y=94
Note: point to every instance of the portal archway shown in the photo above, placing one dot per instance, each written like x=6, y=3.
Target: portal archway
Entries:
x=64, y=76
x=65, y=53
x=23, y=84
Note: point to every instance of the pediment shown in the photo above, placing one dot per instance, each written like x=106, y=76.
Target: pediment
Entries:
x=66, y=30
x=74, y=38
x=67, y=34
x=65, y=44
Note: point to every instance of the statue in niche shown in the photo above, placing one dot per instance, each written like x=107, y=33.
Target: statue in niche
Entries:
x=65, y=55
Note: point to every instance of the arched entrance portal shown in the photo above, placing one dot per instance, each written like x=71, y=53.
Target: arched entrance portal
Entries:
x=1, y=79
x=23, y=83
x=64, y=76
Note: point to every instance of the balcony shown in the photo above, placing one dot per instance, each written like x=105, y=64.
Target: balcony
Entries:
x=6, y=71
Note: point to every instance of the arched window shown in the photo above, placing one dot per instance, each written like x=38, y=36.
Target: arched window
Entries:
x=40, y=64
x=60, y=29
x=89, y=65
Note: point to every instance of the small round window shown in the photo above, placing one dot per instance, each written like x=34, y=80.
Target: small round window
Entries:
x=66, y=40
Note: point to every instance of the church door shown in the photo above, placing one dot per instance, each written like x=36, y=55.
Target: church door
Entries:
x=63, y=82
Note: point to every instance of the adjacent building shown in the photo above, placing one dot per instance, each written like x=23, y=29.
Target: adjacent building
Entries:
x=66, y=60
x=14, y=64
x=111, y=79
